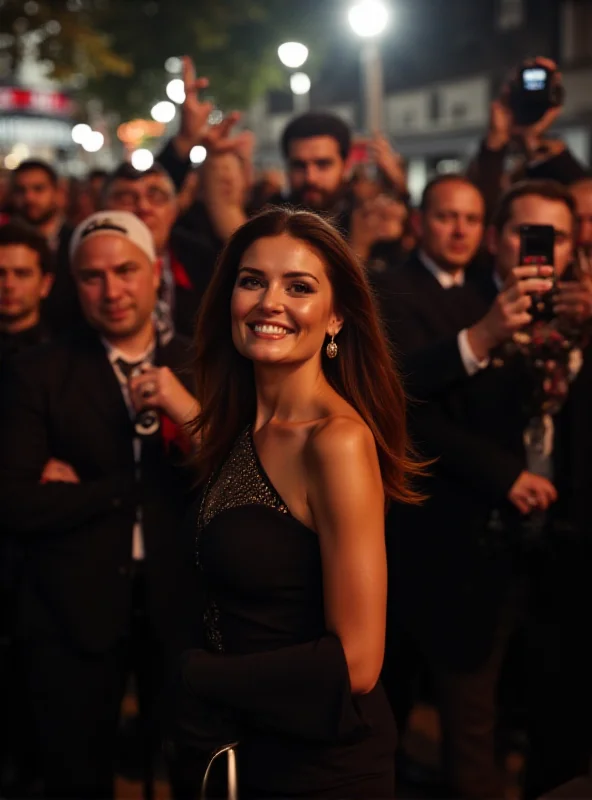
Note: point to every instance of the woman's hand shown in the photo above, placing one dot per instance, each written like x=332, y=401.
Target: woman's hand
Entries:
x=389, y=161
x=157, y=387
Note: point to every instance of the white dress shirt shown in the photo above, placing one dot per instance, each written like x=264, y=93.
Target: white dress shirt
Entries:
x=447, y=280
x=113, y=354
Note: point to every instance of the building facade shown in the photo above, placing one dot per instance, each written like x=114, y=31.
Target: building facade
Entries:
x=442, y=69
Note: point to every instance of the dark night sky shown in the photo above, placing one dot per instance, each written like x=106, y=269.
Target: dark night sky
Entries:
x=429, y=40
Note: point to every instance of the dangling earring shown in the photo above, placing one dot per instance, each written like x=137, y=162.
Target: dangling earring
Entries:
x=332, y=348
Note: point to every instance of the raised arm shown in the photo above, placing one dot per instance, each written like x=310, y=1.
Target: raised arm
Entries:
x=347, y=502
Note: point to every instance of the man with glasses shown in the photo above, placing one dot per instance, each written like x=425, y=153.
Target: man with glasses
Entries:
x=186, y=261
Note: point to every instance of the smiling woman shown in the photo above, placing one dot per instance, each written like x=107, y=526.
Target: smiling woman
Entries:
x=334, y=285
x=286, y=300
x=299, y=450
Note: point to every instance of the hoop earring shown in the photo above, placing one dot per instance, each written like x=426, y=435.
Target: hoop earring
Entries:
x=332, y=348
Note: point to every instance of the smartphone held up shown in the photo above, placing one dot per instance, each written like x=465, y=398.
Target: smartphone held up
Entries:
x=537, y=248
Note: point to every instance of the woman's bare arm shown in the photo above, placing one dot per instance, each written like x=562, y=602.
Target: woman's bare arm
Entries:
x=346, y=498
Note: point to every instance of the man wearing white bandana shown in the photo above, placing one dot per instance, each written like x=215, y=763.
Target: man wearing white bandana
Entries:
x=91, y=443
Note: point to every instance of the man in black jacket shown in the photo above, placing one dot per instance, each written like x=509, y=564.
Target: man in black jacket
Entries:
x=455, y=569
x=26, y=278
x=35, y=199
x=90, y=444
x=186, y=262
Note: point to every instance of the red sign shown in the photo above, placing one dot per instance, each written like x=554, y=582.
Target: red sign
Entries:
x=53, y=103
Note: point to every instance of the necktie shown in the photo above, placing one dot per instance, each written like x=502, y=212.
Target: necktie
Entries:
x=147, y=421
x=128, y=368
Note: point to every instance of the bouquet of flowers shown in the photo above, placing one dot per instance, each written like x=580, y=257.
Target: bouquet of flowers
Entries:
x=550, y=348
x=552, y=351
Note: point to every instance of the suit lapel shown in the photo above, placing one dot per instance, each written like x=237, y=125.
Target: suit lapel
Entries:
x=99, y=384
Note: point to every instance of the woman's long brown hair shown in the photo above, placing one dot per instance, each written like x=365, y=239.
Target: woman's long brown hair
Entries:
x=363, y=373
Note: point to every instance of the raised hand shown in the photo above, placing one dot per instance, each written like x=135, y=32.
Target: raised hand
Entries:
x=194, y=112
x=574, y=299
x=531, y=135
x=379, y=219
x=510, y=310
x=501, y=122
x=159, y=388
x=218, y=141
x=389, y=161
x=503, y=127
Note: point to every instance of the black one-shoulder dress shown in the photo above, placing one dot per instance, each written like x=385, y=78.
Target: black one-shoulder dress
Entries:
x=271, y=676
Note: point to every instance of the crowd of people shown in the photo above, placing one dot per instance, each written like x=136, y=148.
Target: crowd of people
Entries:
x=129, y=306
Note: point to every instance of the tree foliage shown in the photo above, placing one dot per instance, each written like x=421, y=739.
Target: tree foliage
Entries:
x=68, y=35
x=117, y=48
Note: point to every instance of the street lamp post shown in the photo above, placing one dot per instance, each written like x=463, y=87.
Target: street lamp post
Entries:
x=373, y=86
x=293, y=55
x=368, y=19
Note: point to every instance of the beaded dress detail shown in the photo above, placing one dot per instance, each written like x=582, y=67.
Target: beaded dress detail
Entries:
x=240, y=482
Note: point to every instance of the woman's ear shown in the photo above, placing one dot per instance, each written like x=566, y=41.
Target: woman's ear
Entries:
x=335, y=325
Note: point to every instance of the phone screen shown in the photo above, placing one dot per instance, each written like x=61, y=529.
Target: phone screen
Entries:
x=534, y=79
x=537, y=245
x=537, y=248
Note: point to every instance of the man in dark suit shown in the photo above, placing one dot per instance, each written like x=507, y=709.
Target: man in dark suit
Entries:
x=455, y=573
x=90, y=444
x=186, y=261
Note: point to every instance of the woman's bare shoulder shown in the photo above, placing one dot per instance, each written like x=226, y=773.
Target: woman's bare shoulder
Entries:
x=343, y=478
x=339, y=436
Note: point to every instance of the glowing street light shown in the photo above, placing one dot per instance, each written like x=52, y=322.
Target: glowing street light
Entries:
x=80, y=133
x=176, y=90
x=164, y=111
x=293, y=54
x=368, y=20
x=93, y=142
x=173, y=65
x=300, y=83
x=198, y=154
x=11, y=161
x=142, y=159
